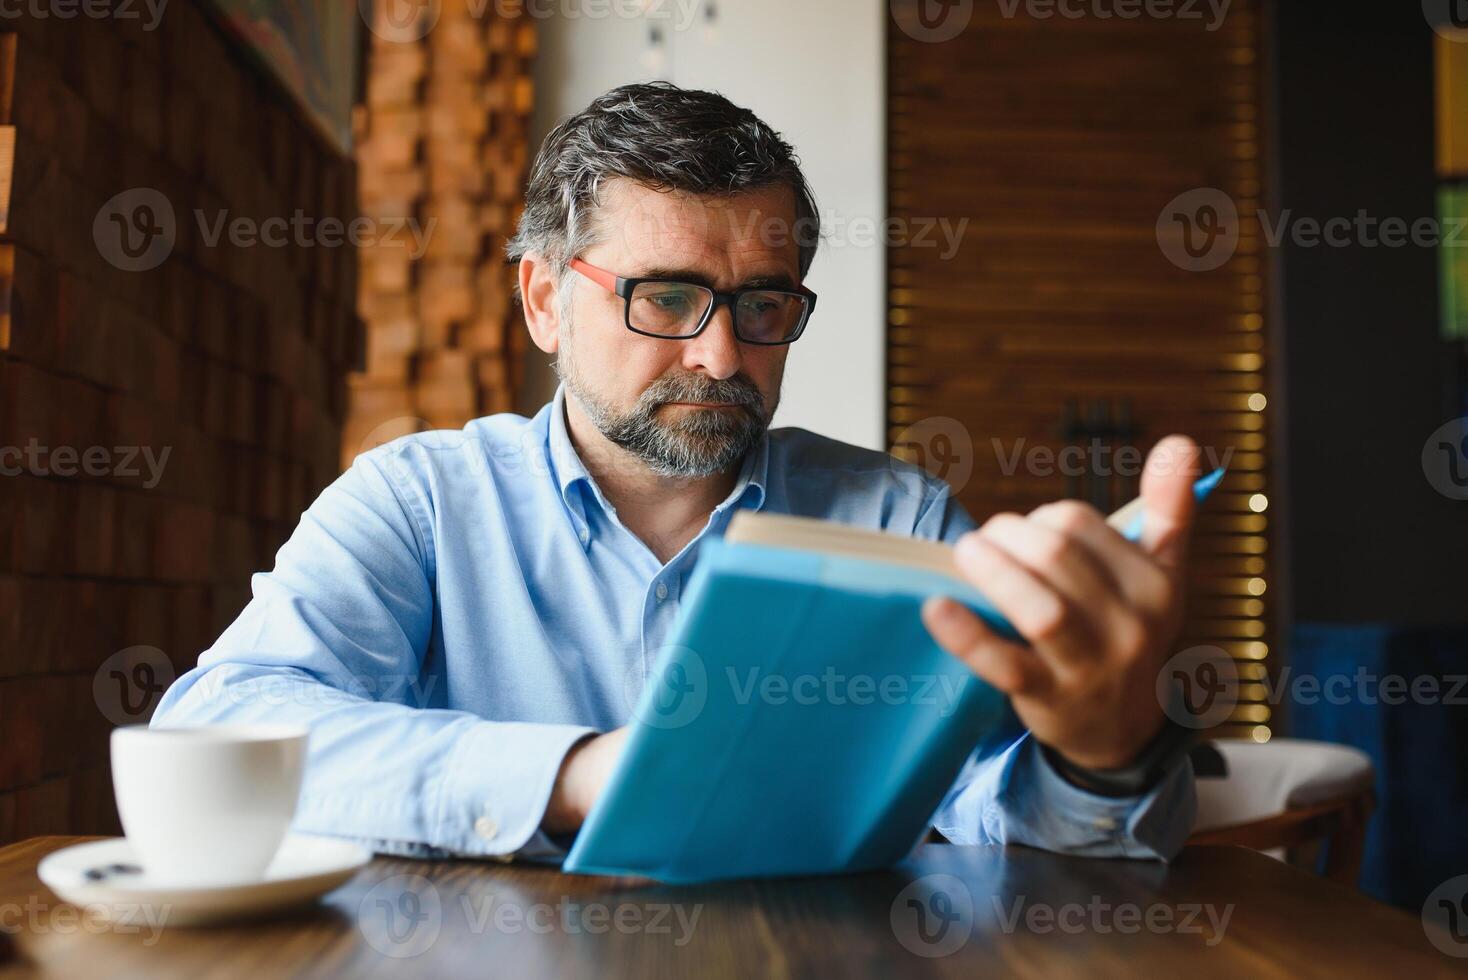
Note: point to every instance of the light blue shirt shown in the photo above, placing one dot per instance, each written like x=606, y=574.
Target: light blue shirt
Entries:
x=459, y=608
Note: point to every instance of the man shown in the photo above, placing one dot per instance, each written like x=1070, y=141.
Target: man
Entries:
x=460, y=617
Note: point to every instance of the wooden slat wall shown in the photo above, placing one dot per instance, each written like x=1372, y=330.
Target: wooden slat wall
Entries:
x=1061, y=140
x=443, y=141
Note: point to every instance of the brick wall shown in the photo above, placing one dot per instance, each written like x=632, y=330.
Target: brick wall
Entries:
x=443, y=139
x=230, y=358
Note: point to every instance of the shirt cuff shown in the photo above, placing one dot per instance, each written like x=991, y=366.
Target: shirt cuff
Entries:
x=1152, y=825
x=1033, y=804
x=494, y=792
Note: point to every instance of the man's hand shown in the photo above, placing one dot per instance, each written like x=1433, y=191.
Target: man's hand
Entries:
x=1099, y=612
x=583, y=773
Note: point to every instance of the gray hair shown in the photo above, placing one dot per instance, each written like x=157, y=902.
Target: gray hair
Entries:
x=661, y=136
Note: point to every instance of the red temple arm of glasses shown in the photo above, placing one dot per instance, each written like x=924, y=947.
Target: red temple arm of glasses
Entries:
x=603, y=278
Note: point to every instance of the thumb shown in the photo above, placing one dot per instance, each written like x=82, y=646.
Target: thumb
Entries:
x=1167, y=499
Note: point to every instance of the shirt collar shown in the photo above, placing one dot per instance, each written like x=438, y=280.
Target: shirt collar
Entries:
x=564, y=460
x=569, y=469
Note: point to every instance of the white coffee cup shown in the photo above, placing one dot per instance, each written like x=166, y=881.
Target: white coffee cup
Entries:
x=207, y=806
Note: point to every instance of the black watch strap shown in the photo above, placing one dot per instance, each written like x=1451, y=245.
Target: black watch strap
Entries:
x=1153, y=764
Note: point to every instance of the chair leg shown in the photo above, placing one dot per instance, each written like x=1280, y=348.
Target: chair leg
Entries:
x=1343, y=853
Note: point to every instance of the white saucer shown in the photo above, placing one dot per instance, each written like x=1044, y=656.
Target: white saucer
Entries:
x=105, y=876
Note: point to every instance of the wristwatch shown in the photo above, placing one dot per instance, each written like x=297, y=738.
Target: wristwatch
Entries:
x=1153, y=764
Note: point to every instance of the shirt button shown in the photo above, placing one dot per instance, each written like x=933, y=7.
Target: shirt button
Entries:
x=1104, y=823
x=585, y=536
x=486, y=828
x=662, y=591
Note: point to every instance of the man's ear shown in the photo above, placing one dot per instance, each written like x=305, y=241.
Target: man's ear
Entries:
x=538, y=295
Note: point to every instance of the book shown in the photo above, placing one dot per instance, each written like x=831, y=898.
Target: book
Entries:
x=801, y=720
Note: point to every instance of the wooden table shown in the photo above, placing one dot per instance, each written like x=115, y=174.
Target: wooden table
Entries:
x=949, y=911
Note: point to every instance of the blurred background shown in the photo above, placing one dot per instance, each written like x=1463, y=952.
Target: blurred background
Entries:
x=242, y=241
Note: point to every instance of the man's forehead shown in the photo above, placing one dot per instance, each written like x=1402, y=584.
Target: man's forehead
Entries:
x=674, y=227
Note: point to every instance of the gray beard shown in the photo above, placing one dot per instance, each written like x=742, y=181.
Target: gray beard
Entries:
x=699, y=442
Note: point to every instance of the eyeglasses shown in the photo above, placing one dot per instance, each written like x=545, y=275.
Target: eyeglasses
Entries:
x=673, y=310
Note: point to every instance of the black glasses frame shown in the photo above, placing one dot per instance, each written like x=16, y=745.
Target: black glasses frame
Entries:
x=624, y=288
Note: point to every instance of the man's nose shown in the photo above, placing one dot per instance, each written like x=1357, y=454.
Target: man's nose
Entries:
x=716, y=351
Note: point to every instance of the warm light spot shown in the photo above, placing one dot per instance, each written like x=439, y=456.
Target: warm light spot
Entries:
x=1256, y=586
x=1260, y=733
x=1253, y=607
x=1256, y=650
x=1258, y=503
x=1257, y=401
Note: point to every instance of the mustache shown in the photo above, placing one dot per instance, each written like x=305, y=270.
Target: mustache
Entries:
x=737, y=390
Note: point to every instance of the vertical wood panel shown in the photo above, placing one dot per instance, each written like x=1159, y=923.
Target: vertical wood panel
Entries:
x=444, y=143
x=1065, y=144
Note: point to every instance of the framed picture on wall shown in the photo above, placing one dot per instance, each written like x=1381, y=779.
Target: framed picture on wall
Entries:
x=311, y=46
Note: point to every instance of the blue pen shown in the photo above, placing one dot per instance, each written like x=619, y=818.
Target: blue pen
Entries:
x=1130, y=518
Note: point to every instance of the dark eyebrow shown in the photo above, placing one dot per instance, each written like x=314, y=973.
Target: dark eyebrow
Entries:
x=779, y=281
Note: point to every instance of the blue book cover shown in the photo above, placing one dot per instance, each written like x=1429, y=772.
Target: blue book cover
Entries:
x=801, y=721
